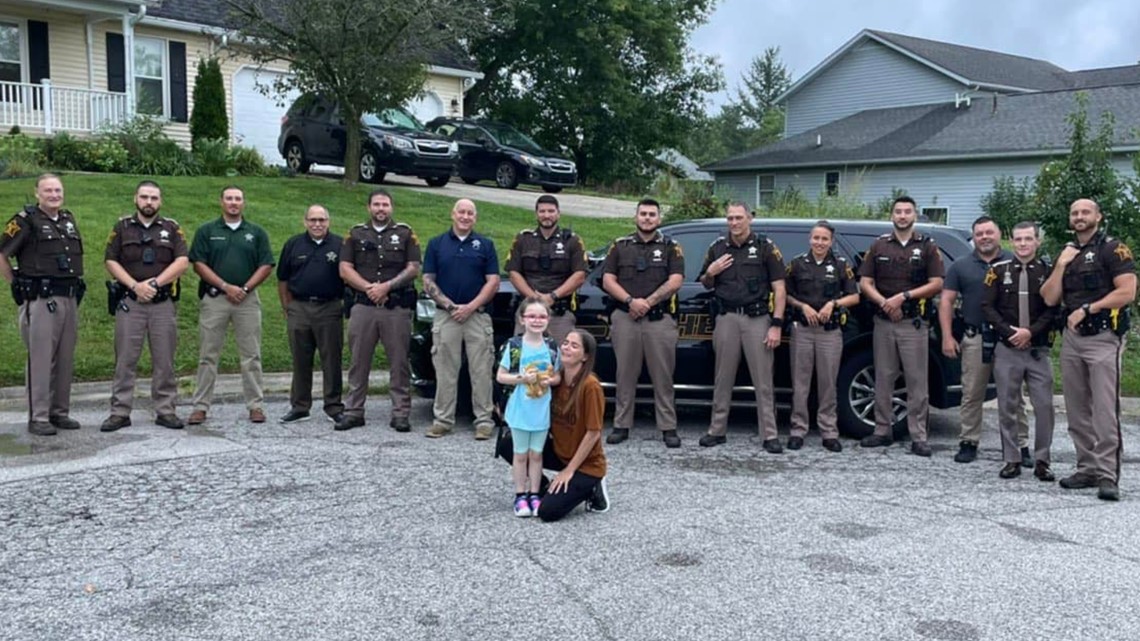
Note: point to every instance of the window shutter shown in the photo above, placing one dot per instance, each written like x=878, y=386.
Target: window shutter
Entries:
x=177, y=57
x=116, y=63
x=39, y=64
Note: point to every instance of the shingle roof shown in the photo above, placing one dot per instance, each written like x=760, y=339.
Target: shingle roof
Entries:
x=1022, y=124
x=982, y=65
x=216, y=13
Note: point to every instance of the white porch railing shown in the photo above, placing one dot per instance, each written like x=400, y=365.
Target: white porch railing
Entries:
x=51, y=109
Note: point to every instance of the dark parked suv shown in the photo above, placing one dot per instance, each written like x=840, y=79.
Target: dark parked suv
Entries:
x=313, y=132
x=499, y=152
x=693, y=375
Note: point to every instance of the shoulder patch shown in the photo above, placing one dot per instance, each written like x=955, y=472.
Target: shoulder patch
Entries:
x=12, y=228
x=1123, y=252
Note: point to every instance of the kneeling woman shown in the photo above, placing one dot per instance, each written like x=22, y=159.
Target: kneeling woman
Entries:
x=574, y=447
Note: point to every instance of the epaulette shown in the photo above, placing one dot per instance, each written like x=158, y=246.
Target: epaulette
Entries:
x=172, y=221
x=1002, y=262
x=839, y=259
x=886, y=236
x=528, y=230
x=404, y=225
x=360, y=226
x=567, y=234
x=624, y=239
x=27, y=211
x=668, y=240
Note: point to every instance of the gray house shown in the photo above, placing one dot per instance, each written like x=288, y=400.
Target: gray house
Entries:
x=939, y=120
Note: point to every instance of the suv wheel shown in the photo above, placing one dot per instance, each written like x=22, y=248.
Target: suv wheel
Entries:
x=295, y=157
x=856, y=397
x=370, y=167
x=437, y=181
x=506, y=175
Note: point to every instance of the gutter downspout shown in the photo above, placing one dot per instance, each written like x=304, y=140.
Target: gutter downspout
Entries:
x=129, y=22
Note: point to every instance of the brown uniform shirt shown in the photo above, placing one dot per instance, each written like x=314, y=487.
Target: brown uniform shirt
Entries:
x=814, y=284
x=896, y=268
x=546, y=263
x=1089, y=277
x=643, y=266
x=145, y=251
x=44, y=248
x=379, y=256
x=756, y=264
x=567, y=436
x=1000, y=298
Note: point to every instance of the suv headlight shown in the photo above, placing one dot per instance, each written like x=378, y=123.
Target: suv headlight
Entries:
x=397, y=142
x=453, y=148
x=531, y=160
x=425, y=310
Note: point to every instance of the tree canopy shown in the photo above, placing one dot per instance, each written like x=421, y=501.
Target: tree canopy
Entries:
x=610, y=81
x=366, y=56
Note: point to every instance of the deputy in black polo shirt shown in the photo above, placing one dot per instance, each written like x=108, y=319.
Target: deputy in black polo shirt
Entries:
x=310, y=289
x=461, y=274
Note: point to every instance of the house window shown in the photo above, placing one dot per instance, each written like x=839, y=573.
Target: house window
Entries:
x=765, y=190
x=936, y=214
x=150, y=76
x=11, y=60
x=831, y=183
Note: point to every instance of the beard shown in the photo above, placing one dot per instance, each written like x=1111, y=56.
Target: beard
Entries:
x=147, y=212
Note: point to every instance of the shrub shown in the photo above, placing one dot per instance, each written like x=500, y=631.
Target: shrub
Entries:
x=248, y=162
x=20, y=155
x=696, y=200
x=208, y=120
x=213, y=157
x=163, y=157
x=64, y=151
x=106, y=155
x=1010, y=202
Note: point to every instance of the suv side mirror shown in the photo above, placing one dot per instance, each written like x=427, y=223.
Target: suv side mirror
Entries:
x=488, y=145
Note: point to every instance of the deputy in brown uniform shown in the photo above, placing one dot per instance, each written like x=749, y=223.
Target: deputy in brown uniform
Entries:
x=1012, y=304
x=47, y=285
x=900, y=273
x=642, y=273
x=549, y=263
x=744, y=269
x=1094, y=281
x=146, y=254
x=312, y=294
x=380, y=261
x=821, y=287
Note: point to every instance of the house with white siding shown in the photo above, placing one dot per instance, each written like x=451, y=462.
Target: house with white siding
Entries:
x=79, y=65
x=939, y=120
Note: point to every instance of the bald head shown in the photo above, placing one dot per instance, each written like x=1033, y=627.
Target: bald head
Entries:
x=1084, y=218
x=463, y=216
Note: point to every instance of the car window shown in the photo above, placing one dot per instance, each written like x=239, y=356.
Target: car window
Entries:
x=449, y=130
x=695, y=244
x=791, y=242
x=392, y=118
x=475, y=135
x=321, y=111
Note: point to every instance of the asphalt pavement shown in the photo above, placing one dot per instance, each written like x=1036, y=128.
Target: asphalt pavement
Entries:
x=232, y=530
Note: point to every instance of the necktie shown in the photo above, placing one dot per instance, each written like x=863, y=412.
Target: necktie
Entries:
x=1023, y=298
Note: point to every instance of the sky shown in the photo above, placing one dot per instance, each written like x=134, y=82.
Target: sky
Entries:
x=1080, y=34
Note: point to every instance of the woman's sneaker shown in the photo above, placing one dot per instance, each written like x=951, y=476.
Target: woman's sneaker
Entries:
x=534, y=503
x=600, y=501
x=522, y=506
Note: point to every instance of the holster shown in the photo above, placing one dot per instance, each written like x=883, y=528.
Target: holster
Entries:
x=989, y=343
x=205, y=289
x=115, y=294
x=349, y=300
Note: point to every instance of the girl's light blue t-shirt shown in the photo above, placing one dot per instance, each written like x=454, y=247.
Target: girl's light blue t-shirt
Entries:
x=525, y=413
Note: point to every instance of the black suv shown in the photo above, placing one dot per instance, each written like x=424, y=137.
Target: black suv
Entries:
x=499, y=152
x=693, y=374
x=313, y=132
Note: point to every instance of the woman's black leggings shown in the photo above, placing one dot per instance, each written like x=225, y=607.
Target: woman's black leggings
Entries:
x=554, y=506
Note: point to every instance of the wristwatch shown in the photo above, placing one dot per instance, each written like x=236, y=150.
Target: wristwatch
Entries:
x=906, y=295
x=777, y=322
x=245, y=289
x=1088, y=309
x=628, y=300
x=450, y=307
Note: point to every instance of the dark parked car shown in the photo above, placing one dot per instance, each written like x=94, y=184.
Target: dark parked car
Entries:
x=499, y=152
x=695, y=359
x=313, y=132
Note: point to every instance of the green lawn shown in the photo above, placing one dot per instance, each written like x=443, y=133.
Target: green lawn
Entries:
x=278, y=204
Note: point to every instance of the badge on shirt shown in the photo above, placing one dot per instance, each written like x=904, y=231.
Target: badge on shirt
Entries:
x=656, y=255
x=331, y=257
x=70, y=227
x=830, y=269
x=164, y=235
x=395, y=239
x=752, y=252
x=249, y=238
x=916, y=253
x=1090, y=257
x=475, y=244
x=559, y=248
x=1008, y=280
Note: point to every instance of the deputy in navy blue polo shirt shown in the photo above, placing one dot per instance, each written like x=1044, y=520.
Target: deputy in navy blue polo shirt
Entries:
x=311, y=293
x=461, y=274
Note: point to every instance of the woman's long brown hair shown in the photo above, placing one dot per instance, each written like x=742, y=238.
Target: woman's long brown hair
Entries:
x=590, y=348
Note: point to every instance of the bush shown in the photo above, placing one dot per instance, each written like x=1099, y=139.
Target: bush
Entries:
x=208, y=120
x=106, y=155
x=1010, y=202
x=248, y=162
x=163, y=157
x=20, y=155
x=697, y=200
x=213, y=157
x=64, y=151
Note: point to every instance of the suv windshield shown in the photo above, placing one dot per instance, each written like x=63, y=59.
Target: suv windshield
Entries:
x=392, y=118
x=511, y=137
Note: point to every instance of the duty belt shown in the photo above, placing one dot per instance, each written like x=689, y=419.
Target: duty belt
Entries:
x=972, y=330
x=752, y=309
x=314, y=299
x=655, y=313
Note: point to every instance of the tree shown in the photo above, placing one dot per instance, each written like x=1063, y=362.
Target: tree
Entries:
x=1010, y=202
x=366, y=56
x=1086, y=172
x=209, y=119
x=611, y=81
x=766, y=79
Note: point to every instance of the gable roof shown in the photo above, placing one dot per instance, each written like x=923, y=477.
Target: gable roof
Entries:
x=216, y=14
x=1033, y=124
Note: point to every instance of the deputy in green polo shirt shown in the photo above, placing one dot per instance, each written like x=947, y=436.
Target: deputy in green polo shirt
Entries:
x=232, y=257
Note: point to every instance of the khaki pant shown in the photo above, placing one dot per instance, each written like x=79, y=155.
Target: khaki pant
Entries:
x=1090, y=376
x=155, y=324
x=655, y=344
x=1013, y=368
x=316, y=328
x=975, y=380
x=214, y=316
x=558, y=328
x=391, y=328
x=50, y=338
x=449, y=339
x=735, y=333
x=901, y=346
x=819, y=351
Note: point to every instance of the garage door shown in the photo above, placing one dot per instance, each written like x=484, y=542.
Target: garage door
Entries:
x=426, y=107
x=257, y=117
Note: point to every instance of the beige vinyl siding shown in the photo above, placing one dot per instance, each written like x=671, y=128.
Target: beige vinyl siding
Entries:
x=67, y=52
